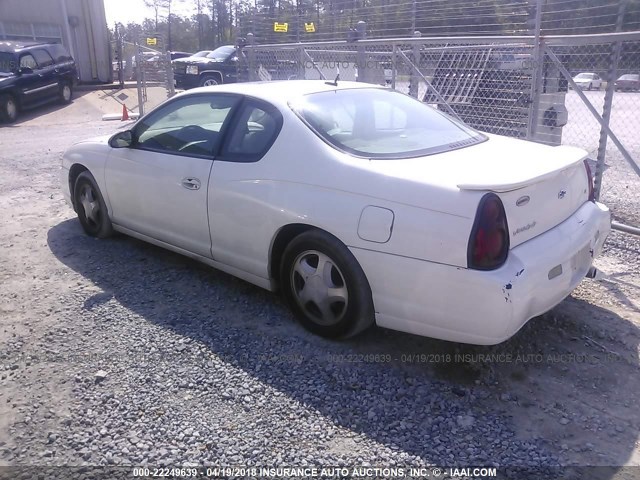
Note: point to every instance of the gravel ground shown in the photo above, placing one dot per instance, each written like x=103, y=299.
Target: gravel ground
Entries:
x=119, y=353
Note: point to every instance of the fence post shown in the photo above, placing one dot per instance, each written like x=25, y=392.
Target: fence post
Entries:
x=414, y=80
x=251, y=57
x=139, y=80
x=361, y=59
x=302, y=59
x=612, y=74
x=537, y=72
x=171, y=89
x=394, y=66
x=119, y=53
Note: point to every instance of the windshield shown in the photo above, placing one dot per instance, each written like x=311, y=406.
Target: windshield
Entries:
x=7, y=63
x=203, y=53
x=221, y=53
x=629, y=77
x=380, y=123
x=587, y=76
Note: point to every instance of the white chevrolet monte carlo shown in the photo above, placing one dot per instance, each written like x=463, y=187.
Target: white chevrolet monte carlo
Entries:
x=360, y=204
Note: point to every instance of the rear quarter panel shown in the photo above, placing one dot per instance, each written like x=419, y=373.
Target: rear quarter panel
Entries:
x=302, y=180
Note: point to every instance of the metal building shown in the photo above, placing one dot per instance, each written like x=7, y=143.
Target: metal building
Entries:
x=80, y=25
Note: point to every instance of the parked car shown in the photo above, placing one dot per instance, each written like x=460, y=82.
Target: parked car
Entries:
x=360, y=204
x=33, y=74
x=588, y=81
x=628, y=82
x=150, y=59
x=177, y=55
x=217, y=66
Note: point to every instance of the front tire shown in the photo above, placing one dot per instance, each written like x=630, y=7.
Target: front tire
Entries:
x=8, y=108
x=325, y=286
x=91, y=208
x=208, y=81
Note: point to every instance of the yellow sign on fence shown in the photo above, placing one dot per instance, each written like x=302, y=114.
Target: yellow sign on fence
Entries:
x=309, y=27
x=280, y=27
x=152, y=41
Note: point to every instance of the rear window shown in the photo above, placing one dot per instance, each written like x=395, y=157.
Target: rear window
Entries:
x=382, y=124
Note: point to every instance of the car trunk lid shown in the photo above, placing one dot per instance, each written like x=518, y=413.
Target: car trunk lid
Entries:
x=538, y=192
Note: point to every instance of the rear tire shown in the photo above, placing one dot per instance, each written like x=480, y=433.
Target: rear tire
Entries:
x=8, y=108
x=91, y=208
x=66, y=93
x=325, y=286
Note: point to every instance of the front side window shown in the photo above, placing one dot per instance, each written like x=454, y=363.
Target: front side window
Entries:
x=380, y=123
x=27, y=61
x=186, y=126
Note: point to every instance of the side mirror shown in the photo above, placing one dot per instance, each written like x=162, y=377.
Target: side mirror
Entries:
x=121, y=140
x=25, y=70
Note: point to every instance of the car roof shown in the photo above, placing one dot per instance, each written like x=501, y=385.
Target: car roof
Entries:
x=282, y=91
x=18, y=45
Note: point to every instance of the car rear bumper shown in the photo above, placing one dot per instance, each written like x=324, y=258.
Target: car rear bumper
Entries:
x=485, y=308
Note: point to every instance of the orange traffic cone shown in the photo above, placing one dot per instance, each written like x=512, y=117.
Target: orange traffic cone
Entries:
x=125, y=113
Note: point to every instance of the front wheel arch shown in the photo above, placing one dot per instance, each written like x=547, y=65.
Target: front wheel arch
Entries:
x=74, y=172
x=210, y=75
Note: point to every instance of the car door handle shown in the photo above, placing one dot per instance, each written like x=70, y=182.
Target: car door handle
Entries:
x=191, y=183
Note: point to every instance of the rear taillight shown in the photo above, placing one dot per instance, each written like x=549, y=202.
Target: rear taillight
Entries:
x=489, y=241
x=592, y=195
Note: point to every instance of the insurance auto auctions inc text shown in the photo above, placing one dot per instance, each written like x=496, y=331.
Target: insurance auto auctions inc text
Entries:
x=355, y=472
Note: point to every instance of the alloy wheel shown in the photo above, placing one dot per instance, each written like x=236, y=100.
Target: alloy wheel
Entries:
x=319, y=287
x=90, y=206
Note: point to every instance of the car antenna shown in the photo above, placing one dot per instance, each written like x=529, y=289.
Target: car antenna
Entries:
x=335, y=82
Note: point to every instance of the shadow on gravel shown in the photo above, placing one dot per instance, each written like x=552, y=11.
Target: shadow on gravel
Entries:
x=557, y=390
x=26, y=115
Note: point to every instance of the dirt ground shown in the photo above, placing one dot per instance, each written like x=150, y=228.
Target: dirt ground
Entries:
x=570, y=378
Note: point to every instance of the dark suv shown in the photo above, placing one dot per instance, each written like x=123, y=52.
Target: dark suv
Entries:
x=32, y=74
x=208, y=68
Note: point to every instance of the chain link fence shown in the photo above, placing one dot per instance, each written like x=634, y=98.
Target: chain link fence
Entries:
x=144, y=72
x=579, y=90
x=603, y=102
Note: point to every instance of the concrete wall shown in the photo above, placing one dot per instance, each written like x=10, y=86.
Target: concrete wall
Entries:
x=80, y=24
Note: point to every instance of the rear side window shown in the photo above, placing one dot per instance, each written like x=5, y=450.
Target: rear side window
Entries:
x=254, y=130
x=59, y=53
x=42, y=57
